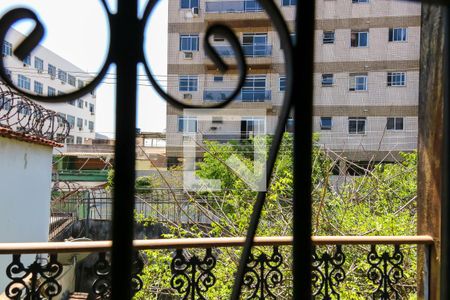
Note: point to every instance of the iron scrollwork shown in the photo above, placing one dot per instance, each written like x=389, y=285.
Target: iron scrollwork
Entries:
x=263, y=275
x=102, y=285
x=385, y=272
x=327, y=273
x=35, y=282
x=192, y=277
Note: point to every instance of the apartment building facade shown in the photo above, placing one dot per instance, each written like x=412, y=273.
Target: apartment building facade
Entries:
x=45, y=73
x=365, y=82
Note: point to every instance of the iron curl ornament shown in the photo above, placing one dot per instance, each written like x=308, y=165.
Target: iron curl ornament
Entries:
x=126, y=51
x=38, y=281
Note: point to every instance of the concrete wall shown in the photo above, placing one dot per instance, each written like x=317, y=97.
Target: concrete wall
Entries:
x=25, y=172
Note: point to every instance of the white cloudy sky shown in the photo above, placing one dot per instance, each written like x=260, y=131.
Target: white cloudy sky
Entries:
x=78, y=31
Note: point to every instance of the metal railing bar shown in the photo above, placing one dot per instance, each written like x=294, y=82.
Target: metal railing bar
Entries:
x=101, y=246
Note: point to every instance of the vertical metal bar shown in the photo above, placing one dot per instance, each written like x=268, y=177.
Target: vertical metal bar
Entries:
x=125, y=42
x=445, y=201
x=303, y=110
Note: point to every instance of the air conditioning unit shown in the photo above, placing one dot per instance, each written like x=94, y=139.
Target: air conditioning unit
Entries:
x=40, y=71
x=92, y=113
x=188, y=55
x=52, y=77
x=91, y=130
x=63, y=82
x=80, y=128
x=187, y=96
x=195, y=11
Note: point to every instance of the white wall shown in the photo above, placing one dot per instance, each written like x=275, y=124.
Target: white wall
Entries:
x=25, y=172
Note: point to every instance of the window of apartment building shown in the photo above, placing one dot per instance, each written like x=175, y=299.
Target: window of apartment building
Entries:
x=91, y=108
x=51, y=70
x=189, y=42
x=51, y=91
x=357, y=125
x=360, y=1
x=38, y=88
x=282, y=83
x=359, y=38
x=80, y=123
x=396, y=79
x=27, y=60
x=187, y=124
x=61, y=93
x=7, y=48
x=252, y=126
x=255, y=44
x=326, y=123
x=290, y=125
x=358, y=82
x=394, y=123
x=24, y=82
x=218, y=78
x=70, y=139
x=288, y=2
x=80, y=83
x=91, y=126
x=189, y=3
x=93, y=93
x=254, y=88
x=62, y=75
x=397, y=34
x=71, y=102
x=328, y=37
x=188, y=83
x=72, y=80
x=80, y=103
x=79, y=140
x=327, y=79
x=71, y=120
x=38, y=64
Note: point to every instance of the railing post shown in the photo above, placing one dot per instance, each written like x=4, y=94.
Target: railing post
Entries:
x=431, y=195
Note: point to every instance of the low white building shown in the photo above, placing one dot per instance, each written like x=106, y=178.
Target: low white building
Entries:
x=46, y=73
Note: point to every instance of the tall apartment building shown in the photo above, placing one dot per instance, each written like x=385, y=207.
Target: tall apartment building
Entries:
x=365, y=81
x=45, y=73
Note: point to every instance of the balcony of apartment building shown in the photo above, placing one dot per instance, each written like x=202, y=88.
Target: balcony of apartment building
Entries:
x=236, y=12
x=258, y=55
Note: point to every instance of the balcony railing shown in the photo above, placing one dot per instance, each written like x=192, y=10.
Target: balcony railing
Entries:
x=253, y=50
x=383, y=262
x=233, y=6
x=244, y=96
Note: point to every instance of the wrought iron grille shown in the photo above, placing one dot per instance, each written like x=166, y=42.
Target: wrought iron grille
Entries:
x=126, y=51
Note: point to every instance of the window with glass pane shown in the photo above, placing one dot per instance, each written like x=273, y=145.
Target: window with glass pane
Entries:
x=289, y=2
x=328, y=37
x=80, y=103
x=187, y=124
x=51, y=91
x=397, y=34
x=91, y=125
x=358, y=82
x=394, y=123
x=72, y=80
x=80, y=83
x=359, y=38
x=91, y=108
x=218, y=78
x=7, y=48
x=188, y=83
x=189, y=42
x=396, y=79
x=71, y=120
x=252, y=126
x=62, y=75
x=79, y=123
x=326, y=123
x=51, y=70
x=252, y=5
x=357, y=125
x=255, y=44
x=79, y=140
x=24, y=82
x=360, y=1
x=282, y=83
x=38, y=64
x=254, y=89
x=38, y=88
x=327, y=79
x=189, y=3
x=8, y=73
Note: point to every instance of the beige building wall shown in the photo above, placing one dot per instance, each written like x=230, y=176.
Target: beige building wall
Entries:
x=376, y=104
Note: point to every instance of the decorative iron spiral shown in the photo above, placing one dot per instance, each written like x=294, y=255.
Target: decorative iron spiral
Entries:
x=37, y=281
